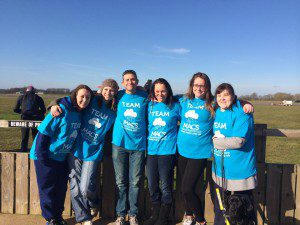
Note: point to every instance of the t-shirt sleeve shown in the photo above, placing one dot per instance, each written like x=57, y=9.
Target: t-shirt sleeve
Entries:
x=49, y=125
x=243, y=125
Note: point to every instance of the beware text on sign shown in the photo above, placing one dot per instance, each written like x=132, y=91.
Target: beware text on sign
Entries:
x=22, y=123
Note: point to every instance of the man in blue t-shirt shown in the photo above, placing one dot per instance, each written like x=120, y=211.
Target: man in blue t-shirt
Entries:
x=129, y=145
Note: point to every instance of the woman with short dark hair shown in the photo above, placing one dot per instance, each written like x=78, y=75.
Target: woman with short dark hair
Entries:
x=234, y=166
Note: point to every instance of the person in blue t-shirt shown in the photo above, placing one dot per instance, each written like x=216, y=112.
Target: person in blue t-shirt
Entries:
x=194, y=142
x=163, y=118
x=129, y=145
x=55, y=139
x=234, y=167
x=97, y=120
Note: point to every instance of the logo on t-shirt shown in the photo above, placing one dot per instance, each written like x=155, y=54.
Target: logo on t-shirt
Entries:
x=191, y=114
x=159, y=122
x=74, y=134
x=95, y=122
x=130, y=113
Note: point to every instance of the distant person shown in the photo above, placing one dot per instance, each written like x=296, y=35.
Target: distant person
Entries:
x=31, y=107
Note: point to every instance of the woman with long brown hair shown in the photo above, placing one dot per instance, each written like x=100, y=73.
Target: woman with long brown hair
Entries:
x=195, y=143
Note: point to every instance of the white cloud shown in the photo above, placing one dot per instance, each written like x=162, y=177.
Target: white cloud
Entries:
x=74, y=134
x=159, y=122
x=191, y=114
x=218, y=134
x=180, y=51
x=130, y=112
x=95, y=121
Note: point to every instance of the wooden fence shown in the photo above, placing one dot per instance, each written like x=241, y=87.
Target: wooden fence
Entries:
x=277, y=196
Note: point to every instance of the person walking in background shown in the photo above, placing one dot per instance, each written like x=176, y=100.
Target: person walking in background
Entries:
x=234, y=165
x=163, y=118
x=50, y=149
x=31, y=107
x=129, y=145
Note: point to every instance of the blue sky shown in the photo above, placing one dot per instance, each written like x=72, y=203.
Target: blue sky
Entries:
x=254, y=45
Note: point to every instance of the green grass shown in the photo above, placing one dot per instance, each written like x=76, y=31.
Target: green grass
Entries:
x=279, y=149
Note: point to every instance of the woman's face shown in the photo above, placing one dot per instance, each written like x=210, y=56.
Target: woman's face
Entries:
x=224, y=99
x=199, y=88
x=83, y=98
x=108, y=93
x=160, y=92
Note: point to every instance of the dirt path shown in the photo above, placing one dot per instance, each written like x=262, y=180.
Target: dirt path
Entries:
x=15, y=219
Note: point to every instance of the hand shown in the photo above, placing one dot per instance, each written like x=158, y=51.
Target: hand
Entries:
x=140, y=88
x=248, y=108
x=55, y=110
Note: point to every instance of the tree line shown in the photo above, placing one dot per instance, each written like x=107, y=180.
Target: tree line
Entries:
x=45, y=91
x=280, y=96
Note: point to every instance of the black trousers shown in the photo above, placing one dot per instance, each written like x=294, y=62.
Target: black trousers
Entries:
x=25, y=137
x=190, y=171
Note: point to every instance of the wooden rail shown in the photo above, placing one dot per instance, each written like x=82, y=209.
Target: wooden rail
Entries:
x=277, y=196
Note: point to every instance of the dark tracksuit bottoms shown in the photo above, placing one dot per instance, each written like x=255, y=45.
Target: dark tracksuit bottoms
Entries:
x=52, y=179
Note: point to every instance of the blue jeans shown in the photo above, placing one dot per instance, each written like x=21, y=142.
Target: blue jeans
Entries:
x=128, y=167
x=159, y=168
x=83, y=187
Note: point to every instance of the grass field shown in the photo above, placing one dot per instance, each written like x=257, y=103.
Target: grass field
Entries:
x=279, y=149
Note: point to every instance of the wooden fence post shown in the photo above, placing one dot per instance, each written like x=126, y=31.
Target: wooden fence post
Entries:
x=260, y=142
x=297, y=199
x=22, y=183
x=34, y=206
x=108, y=188
x=288, y=194
x=7, y=187
x=274, y=178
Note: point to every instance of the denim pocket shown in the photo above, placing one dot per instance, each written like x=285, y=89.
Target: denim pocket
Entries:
x=74, y=185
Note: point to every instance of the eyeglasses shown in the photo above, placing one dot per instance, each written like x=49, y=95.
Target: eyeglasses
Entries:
x=199, y=86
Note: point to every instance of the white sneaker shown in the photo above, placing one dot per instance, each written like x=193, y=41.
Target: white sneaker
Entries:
x=133, y=220
x=88, y=222
x=187, y=220
x=94, y=212
x=120, y=220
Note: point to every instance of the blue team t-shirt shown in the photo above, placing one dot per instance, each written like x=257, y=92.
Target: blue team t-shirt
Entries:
x=238, y=163
x=131, y=122
x=62, y=130
x=162, y=128
x=195, y=132
x=96, y=122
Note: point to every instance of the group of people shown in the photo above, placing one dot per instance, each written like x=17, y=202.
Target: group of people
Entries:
x=146, y=129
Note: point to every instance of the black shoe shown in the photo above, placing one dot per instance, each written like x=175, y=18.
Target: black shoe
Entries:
x=53, y=222
x=63, y=222
x=163, y=218
x=154, y=214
